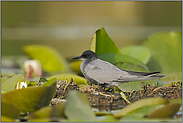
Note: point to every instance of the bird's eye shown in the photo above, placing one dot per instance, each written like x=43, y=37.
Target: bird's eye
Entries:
x=85, y=56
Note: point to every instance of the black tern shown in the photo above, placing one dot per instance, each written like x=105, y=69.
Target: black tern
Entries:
x=106, y=74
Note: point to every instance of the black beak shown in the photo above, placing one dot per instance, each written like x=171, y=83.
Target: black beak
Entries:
x=78, y=57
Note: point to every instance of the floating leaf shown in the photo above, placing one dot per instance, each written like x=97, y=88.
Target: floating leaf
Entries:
x=107, y=118
x=167, y=111
x=101, y=43
x=49, y=82
x=30, y=99
x=3, y=79
x=78, y=107
x=140, y=112
x=32, y=83
x=56, y=111
x=10, y=84
x=50, y=59
x=6, y=119
x=77, y=79
x=139, y=104
x=166, y=50
x=124, y=62
x=9, y=110
x=75, y=66
x=139, y=52
x=176, y=101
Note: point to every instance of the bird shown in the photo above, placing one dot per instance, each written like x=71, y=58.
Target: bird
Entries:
x=97, y=71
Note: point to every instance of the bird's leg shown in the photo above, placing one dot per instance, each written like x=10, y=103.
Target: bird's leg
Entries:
x=113, y=90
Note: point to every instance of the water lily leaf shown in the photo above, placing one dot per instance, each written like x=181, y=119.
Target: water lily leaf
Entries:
x=32, y=83
x=49, y=58
x=124, y=61
x=107, y=118
x=100, y=113
x=9, y=84
x=166, y=50
x=141, y=112
x=56, y=111
x=176, y=101
x=139, y=52
x=139, y=104
x=77, y=79
x=101, y=43
x=31, y=98
x=49, y=82
x=75, y=66
x=3, y=79
x=42, y=80
x=6, y=119
x=167, y=111
x=93, y=43
x=9, y=110
x=78, y=107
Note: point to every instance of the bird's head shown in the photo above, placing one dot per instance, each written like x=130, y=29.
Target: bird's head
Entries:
x=87, y=55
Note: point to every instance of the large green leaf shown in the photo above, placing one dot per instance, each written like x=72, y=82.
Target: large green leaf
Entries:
x=9, y=110
x=78, y=107
x=102, y=43
x=158, y=112
x=49, y=82
x=166, y=50
x=139, y=104
x=49, y=58
x=31, y=98
x=139, y=52
x=124, y=61
x=75, y=66
x=10, y=83
x=54, y=112
x=167, y=111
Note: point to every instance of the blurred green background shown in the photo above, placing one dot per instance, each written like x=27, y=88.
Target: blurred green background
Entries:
x=69, y=26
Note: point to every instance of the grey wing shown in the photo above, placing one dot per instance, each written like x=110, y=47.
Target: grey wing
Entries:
x=103, y=72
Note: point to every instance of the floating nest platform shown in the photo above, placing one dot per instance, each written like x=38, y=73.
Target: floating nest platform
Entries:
x=109, y=101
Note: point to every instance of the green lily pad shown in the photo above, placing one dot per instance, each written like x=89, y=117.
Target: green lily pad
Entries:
x=75, y=66
x=31, y=98
x=10, y=83
x=141, y=103
x=124, y=62
x=78, y=108
x=102, y=43
x=107, y=118
x=167, y=111
x=9, y=110
x=49, y=58
x=6, y=119
x=49, y=82
x=139, y=52
x=3, y=79
x=56, y=111
x=141, y=112
x=166, y=50
x=77, y=79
